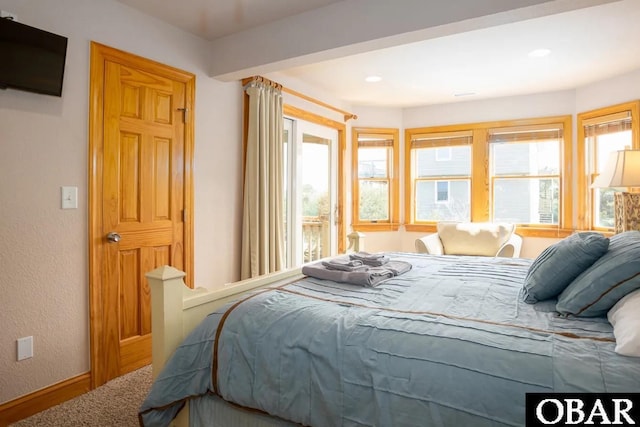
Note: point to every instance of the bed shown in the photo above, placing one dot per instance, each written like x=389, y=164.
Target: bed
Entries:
x=451, y=341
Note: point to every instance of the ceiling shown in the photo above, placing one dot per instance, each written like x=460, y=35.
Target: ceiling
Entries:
x=212, y=19
x=587, y=45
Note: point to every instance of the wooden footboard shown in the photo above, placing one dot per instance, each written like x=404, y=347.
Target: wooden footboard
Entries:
x=176, y=309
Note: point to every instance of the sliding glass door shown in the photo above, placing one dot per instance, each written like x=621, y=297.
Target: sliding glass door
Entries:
x=310, y=159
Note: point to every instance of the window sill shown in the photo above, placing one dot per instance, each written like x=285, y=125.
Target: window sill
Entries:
x=427, y=228
x=376, y=227
x=558, y=233
x=520, y=230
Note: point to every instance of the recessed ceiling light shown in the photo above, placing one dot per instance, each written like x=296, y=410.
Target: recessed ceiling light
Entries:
x=539, y=53
x=372, y=79
x=464, y=94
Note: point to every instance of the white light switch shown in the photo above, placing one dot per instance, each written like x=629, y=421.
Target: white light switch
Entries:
x=25, y=348
x=69, y=197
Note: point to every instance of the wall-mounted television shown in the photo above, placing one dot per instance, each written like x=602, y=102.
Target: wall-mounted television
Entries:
x=31, y=59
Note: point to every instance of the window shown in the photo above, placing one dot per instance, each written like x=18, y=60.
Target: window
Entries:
x=441, y=190
x=601, y=132
x=512, y=171
x=525, y=174
x=375, y=191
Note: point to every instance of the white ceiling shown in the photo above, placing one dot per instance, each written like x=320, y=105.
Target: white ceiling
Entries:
x=212, y=19
x=587, y=45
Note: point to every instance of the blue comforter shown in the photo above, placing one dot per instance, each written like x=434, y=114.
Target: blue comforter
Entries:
x=447, y=343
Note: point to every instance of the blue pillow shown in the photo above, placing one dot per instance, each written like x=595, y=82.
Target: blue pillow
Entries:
x=613, y=276
x=557, y=266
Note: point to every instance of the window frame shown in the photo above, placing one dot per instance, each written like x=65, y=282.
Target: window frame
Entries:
x=584, y=174
x=481, y=174
x=393, y=178
x=435, y=141
x=524, y=136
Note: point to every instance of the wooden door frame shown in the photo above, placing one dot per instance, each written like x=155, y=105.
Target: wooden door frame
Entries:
x=99, y=55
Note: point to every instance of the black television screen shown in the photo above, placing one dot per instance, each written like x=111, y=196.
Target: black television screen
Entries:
x=31, y=59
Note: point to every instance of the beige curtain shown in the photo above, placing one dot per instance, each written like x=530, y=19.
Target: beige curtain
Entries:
x=263, y=219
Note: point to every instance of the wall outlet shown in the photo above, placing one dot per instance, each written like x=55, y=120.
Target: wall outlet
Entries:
x=8, y=15
x=25, y=348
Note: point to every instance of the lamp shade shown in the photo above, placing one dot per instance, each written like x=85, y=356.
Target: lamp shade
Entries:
x=622, y=170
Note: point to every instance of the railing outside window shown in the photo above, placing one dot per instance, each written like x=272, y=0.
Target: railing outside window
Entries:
x=315, y=238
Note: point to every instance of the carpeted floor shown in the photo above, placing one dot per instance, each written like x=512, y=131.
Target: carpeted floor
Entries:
x=114, y=404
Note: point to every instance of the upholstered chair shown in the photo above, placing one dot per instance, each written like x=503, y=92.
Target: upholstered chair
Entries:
x=472, y=238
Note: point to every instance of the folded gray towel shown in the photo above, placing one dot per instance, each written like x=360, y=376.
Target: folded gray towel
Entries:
x=344, y=264
x=370, y=277
x=365, y=255
x=374, y=260
x=398, y=267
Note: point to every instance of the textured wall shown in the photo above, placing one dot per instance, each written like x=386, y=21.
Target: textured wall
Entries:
x=43, y=146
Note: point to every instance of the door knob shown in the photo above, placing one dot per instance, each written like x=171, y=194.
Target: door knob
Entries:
x=113, y=237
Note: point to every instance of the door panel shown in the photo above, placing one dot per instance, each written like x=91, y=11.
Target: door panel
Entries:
x=311, y=163
x=318, y=198
x=294, y=115
x=141, y=189
x=141, y=199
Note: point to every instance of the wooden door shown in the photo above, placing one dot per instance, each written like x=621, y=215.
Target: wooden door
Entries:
x=141, y=215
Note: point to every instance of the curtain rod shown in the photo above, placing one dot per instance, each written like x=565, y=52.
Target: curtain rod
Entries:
x=346, y=114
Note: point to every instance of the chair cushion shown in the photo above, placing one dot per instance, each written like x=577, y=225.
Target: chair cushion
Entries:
x=557, y=266
x=599, y=287
x=473, y=238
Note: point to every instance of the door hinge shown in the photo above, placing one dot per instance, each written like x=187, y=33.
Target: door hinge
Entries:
x=184, y=215
x=185, y=111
